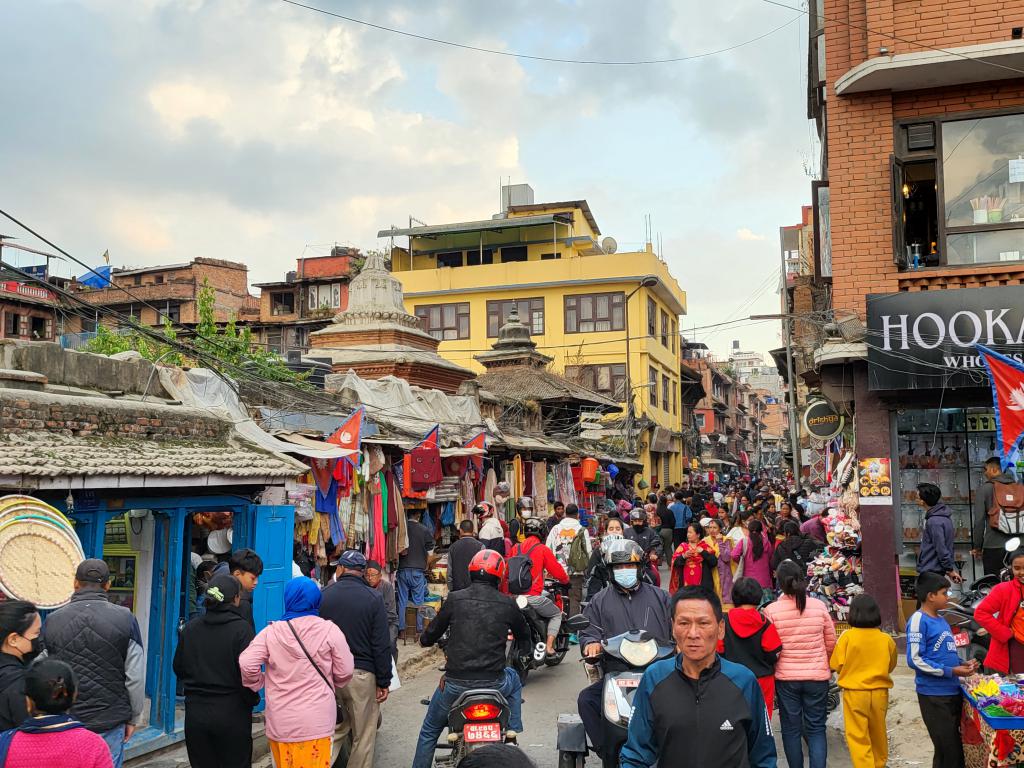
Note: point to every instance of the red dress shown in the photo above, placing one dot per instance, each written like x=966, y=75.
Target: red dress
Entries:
x=689, y=572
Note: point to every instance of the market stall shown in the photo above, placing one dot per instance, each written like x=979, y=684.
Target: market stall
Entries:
x=992, y=726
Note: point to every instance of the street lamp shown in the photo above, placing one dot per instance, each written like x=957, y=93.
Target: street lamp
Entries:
x=646, y=282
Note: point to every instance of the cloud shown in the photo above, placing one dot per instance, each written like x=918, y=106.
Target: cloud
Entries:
x=744, y=233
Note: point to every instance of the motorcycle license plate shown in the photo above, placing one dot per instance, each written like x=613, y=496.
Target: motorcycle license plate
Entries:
x=628, y=682
x=961, y=639
x=473, y=733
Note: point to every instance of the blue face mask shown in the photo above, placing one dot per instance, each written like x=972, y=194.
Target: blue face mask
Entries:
x=625, y=577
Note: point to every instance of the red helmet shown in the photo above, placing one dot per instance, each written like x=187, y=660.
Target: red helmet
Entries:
x=488, y=563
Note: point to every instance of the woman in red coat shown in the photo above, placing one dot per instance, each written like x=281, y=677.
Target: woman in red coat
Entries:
x=1002, y=614
x=693, y=562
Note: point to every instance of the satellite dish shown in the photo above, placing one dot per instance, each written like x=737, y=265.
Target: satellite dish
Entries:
x=608, y=245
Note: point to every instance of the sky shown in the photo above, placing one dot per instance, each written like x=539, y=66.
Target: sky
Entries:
x=258, y=131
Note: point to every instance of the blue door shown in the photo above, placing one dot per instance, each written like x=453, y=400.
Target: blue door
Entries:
x=272, y=538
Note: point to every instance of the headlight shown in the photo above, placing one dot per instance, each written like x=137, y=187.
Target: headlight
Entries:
x=616, y=708
x=639, y=654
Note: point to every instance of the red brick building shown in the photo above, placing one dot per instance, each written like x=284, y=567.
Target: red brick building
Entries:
x=919, y=235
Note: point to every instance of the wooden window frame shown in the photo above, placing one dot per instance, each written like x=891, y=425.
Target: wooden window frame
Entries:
x=462, y=330
x=652, y=385
x=572, y=306
x=652, y=317
x=495, y=310
x=587, y=376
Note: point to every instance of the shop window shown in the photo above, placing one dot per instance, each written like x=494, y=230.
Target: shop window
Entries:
x=446, y=322
x=608, y=380
x=477, y=258
x=513, y=253
x=652, y=386
x=453, y=259
x=282, y=303
x=531, y=312
x=652, y=318
x=593, y=312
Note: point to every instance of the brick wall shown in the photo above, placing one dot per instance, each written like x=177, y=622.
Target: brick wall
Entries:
x=93, y=417
x=324, y=266
x=951, y=23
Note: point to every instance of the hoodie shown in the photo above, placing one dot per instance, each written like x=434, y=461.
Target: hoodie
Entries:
x=937, y=541
x=300, y=705
x=985, y=536
x=751, y=640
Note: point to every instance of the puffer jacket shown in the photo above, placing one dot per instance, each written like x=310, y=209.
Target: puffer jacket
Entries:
x=808, y=639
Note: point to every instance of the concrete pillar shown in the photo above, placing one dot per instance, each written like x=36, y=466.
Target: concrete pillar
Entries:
x=872, y=436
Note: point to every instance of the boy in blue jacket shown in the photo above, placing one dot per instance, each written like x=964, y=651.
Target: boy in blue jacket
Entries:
x=931, y=652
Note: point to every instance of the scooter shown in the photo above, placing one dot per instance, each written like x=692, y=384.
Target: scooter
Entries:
x=623, y=659
x=538, y=657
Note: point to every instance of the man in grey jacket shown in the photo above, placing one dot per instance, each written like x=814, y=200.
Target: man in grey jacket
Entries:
x=988, y=541
x=102, y=643
x=374, y=576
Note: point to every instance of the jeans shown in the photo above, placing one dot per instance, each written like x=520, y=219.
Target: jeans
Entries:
x=412, y=582
x=436, y=719
x=115, y=743
x=803, y=708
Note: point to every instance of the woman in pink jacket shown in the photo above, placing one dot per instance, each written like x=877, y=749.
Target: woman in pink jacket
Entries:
x=802, y=673
x=755, y=552
x=301, y=705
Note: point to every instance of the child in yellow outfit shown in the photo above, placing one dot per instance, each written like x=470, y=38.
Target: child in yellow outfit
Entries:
x=865, y=658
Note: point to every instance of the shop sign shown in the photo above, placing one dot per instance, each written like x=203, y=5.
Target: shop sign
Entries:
x=926, y=339
x=822, y=420
x=875, y=482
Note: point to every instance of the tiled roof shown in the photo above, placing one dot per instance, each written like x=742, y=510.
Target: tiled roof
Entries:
x=520, y=382
x=54, y=454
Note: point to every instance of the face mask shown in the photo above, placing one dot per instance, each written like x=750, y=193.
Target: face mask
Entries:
x=625, y=578
x=638, y=526
x=36, y=650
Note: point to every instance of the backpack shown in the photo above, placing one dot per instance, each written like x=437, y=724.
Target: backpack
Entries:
x=1007, y=511
x=578, y=559
x=520, y=570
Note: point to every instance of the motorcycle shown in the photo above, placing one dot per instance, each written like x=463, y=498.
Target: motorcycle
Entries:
x=623, y=659
x=537, y=656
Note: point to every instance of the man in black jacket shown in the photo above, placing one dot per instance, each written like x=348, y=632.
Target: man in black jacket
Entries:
x=459, y=554
x=359, y=612
x=479, y=619
x=797, y=546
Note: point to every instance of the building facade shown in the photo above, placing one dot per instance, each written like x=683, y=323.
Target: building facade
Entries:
x=609, y=320
x=918, y=238
x=27, y=311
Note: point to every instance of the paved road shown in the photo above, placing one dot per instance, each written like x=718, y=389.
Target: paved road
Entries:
x=547, y=693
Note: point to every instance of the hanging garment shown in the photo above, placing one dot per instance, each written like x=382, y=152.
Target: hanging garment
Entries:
x=489, y=483
x=527, y=478
x=383, y=483
x=408, y=489
x=454, y=466
x=343, y=474
x=328, y=502
x=378, y=546
x=447, y=516
x=425, y=468
x=540, y=488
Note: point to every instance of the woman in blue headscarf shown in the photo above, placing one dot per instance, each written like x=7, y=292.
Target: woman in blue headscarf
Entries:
x=300, y=661
x=218, y=707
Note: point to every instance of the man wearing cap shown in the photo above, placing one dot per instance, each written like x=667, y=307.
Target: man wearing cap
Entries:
x=359, y=612
x=374, y=575
x=103, y=645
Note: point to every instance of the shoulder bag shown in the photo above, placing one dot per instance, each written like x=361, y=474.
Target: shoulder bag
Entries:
x=339, y=715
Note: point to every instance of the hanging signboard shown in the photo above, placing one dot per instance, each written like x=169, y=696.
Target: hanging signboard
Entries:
x=822, y=420
x=926, y=339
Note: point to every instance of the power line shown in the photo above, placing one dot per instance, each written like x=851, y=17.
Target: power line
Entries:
x=531, y=57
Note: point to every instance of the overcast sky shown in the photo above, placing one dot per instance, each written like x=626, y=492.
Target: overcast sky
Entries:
x=257, y=131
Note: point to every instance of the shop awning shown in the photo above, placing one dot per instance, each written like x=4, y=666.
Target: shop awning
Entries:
x=719, y=462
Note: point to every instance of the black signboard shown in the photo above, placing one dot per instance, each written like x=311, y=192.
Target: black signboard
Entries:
x=927, y=339
x=822, y=420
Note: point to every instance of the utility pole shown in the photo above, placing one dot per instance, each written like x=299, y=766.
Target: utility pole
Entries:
x=787, y=335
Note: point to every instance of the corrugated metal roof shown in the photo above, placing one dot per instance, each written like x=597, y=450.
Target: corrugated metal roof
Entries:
x=475, y=226
x=520, y=382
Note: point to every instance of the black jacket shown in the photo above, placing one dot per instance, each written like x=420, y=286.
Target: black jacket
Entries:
x=800, y=549
x=12, y=692
x=648, y=539
x=596, y=577
x=206, y=659
x=359, y=612
x=614, y=611
x=459, y=555
x=103, y=645
x=479, y=618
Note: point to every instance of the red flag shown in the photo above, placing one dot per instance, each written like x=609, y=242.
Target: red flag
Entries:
x=480, y=441
x=347, y=435
x=1008, y=398
x=431, y=439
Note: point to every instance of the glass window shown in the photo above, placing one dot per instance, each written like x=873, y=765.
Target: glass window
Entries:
x=453, y=259
x=477, y=258
x=608, y=380
x=652, y=317
x=588, y=313
x=699, y=420
x=978, y=247
x=664, y=328
x=664, y=391
x=531, y=312
x=652, y=385
x=445, y=321
x=513, y=253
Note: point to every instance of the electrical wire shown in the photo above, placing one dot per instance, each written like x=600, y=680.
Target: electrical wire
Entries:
x=531, y=57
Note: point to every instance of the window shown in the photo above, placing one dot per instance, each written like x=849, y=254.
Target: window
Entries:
x=587, y=313
x=478, y=257
x=324, y=297
x=158, y=280
x=137, y=280
x=652, y=317
x=282, y=303
x=513, y=253
x=274, y=340
x=550, y=256
x=652, y=386
x=173, y=312
x=664, y=391
x=698, y=419
x=12, y=324
x=531, y=312
x=40, y=328
x=664, y=328
x=675, y=400
x=445, y=321
x=674, y=336
x=608, y=380
x=453, y=259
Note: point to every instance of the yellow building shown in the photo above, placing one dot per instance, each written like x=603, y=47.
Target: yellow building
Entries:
x=577, y=294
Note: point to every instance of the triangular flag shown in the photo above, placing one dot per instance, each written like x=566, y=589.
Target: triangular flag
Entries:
x=106, y=256
x=431, y=438
x=480, y=441
x=347, y=435
x=1008, y=398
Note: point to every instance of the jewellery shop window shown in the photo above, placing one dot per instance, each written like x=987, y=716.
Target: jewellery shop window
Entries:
x=947, y=447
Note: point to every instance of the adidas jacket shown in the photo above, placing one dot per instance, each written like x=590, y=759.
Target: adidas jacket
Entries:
x=725, y=707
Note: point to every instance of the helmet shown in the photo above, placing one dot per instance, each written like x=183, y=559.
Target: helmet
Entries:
x=483, y=508
x=637, y=513
x=488, y=566
x=533, y=526
x=621, y=551
x=525, y=502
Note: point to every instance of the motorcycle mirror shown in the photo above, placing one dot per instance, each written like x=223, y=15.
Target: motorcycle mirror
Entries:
x=1012, y=545
x=577, y=623
x=427, y=612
